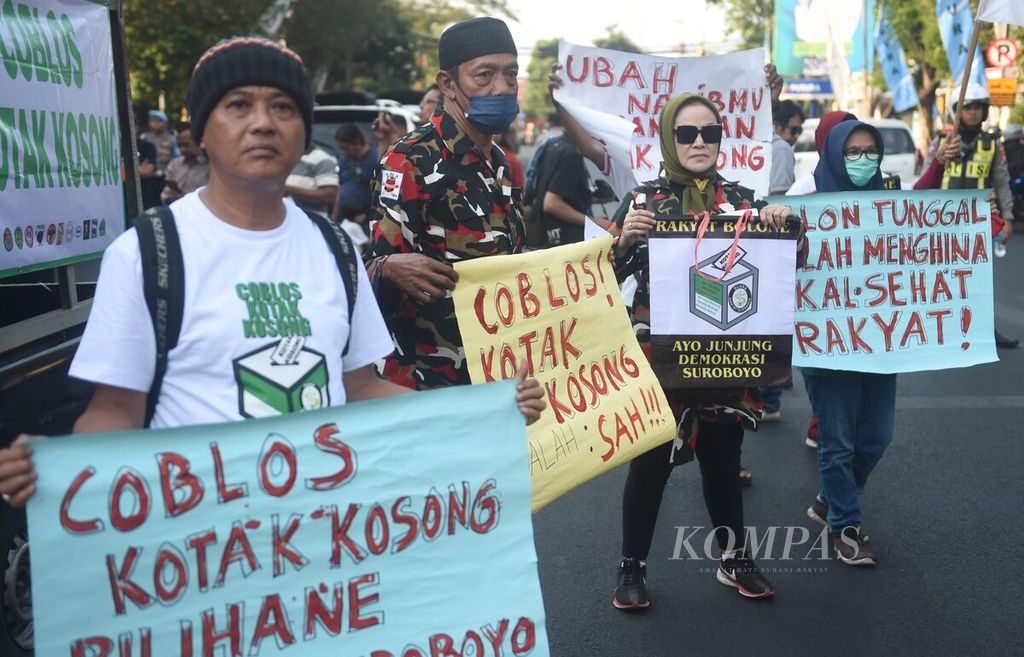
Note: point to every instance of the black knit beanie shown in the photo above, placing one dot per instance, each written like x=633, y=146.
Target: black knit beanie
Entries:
x=242, y=61
x=474, y=38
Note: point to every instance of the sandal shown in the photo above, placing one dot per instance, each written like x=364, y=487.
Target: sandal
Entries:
x=746, y=477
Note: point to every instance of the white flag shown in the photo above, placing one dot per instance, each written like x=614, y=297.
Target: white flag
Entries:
x=1002, y=11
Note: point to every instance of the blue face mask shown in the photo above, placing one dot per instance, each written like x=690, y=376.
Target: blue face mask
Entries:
x=492, y=115
x=861, y=170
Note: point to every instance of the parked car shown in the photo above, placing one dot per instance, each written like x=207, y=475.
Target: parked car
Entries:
x=327, y=118
x=901, y=157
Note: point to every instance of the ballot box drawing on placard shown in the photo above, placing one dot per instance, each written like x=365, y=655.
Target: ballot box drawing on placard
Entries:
x=281, y=377
x=720, y=297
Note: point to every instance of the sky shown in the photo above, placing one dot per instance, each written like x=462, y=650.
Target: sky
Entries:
x=657, y=26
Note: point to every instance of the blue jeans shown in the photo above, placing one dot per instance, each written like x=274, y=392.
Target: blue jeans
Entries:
x=772, y=398
x=855, y=414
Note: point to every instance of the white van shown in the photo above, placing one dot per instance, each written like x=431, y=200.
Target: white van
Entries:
x=900, y=159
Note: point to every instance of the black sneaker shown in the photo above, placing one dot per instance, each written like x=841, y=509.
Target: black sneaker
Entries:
x=741, y=573
x=631, y=591
x=852, y=549
x=818, y=512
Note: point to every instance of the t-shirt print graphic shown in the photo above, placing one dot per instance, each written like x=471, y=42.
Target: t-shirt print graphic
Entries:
x=281, y=377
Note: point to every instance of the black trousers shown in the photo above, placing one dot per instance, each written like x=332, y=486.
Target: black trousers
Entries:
x=718, y=452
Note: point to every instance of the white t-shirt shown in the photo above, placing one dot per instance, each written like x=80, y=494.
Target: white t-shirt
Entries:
x=264, y=325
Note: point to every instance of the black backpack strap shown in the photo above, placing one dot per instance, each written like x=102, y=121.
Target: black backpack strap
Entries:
x=163, y=284
x=345, y=255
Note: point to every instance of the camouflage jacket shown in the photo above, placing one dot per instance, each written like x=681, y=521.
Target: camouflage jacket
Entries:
x=436, y=194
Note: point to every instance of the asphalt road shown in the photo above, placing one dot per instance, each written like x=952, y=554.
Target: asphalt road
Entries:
x=943, y=510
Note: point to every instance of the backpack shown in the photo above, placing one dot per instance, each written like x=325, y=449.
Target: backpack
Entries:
x=163, y=281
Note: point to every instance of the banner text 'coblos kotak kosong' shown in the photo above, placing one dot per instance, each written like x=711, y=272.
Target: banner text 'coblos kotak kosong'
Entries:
x=391, y=528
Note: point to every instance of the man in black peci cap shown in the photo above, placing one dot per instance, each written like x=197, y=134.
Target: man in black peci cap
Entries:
x=442, y=195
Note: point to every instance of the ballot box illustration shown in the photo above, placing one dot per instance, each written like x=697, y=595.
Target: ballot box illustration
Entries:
x=726, y=302
x=281, y=377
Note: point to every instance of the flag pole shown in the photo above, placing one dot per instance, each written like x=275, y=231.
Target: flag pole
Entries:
x=966, y=76
x=867, y=82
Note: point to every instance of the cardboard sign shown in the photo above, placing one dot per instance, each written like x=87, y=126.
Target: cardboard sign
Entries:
x=895, y=281
x=393, y=528
x=560, y=311
x=721, y=309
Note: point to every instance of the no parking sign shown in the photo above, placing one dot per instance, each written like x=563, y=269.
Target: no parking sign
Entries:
x=1002, y=53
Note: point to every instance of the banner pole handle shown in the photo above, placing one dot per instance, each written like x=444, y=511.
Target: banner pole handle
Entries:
x=966, y=76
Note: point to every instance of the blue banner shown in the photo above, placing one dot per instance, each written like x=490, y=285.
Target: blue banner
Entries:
x=955, y=23
x=856, y=59
x=894, y=65
x=808, y=88
x=392, y=528
x=894, y=281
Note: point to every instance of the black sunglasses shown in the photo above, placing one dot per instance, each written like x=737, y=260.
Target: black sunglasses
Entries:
x=687, y=134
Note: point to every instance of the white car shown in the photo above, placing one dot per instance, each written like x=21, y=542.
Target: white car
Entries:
x=900, y=158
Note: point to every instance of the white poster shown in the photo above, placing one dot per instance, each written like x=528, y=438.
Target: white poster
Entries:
x=60, y=160
x=636, y=88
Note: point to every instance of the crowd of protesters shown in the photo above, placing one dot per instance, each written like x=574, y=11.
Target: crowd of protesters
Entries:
x=250, y=196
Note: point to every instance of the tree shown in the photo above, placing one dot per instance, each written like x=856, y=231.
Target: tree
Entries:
x=164, y=40
x=917, y=29
x=376, y=52
x=429, y=18
x=615, y=39
x=345, y=43
x=749, y=19
x=1017, y=113
x=536, y=101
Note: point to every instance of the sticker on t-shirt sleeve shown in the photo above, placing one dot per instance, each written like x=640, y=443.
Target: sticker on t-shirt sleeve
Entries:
x=391, y=184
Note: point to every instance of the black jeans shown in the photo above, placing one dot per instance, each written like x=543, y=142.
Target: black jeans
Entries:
x=718, y=452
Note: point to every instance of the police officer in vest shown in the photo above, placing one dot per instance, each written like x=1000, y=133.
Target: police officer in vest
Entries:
x=981, y=163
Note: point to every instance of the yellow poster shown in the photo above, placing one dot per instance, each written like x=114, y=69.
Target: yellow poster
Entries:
x=560, y=311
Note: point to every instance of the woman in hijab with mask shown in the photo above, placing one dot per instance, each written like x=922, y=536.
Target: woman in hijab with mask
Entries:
x=855, y=410
x=711, y=422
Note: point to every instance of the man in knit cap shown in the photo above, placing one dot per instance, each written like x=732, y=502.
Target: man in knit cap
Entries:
x=442, y=195
x=262, y=286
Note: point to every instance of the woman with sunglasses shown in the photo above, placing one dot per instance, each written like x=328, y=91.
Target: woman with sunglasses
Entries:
x=711, y=422
x=855, y=410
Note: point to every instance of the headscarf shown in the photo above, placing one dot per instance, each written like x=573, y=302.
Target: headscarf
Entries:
x=827, y=122
x=694, y=199
x=830, y=174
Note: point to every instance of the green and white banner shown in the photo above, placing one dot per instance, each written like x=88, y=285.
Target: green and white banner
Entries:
x=60, y=161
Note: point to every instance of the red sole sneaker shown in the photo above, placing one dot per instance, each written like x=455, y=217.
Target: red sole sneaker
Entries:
x=729, y=581
x=632, y=607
